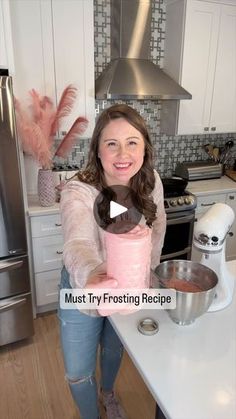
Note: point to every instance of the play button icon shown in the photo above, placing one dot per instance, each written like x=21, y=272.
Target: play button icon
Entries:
x=116, y=209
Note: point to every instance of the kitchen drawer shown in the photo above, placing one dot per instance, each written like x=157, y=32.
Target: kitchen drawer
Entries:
x=231, y=199
x=46, y=225
x=205, y=202
x=47, y=253
x=14, y=276
x=16, y=318
x=47, y=287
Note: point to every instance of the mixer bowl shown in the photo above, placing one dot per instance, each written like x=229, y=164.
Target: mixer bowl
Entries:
x=195, y=286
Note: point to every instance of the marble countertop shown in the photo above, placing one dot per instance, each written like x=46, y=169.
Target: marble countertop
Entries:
x=190, y=370
x=212, y=186
x=35, y=209
x=199, y=187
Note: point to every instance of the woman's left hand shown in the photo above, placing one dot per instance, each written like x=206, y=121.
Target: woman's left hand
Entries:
x=98, y=278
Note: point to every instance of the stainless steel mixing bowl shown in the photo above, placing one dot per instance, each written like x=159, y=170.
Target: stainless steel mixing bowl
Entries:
x=189, y=305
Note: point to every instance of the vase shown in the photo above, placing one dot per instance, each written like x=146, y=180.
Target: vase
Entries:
x=46, y=188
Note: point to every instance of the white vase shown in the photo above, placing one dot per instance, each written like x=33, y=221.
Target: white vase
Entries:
x=46, y=188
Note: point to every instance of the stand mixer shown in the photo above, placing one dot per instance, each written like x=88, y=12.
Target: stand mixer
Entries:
x=210, y=234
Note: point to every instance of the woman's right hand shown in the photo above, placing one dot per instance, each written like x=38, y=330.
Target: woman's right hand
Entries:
x=98, y=278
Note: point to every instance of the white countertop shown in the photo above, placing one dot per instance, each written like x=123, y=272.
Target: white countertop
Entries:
x=35, y=209
x=198, y=187
x=190, y=370
x=212, y=186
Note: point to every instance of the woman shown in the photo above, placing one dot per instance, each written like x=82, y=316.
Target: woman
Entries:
x=120, y=154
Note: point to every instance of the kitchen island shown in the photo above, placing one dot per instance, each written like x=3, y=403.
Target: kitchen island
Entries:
x=190, y=370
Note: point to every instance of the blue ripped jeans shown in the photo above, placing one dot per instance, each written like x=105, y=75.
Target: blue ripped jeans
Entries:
x=80, y=336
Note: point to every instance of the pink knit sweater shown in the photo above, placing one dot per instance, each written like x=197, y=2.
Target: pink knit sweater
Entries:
x=84, y=248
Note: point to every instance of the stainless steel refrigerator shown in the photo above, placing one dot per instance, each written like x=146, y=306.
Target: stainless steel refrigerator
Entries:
x=16, y=318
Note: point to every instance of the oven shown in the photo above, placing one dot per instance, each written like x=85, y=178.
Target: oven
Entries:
x=180, y=210
x=179, y=235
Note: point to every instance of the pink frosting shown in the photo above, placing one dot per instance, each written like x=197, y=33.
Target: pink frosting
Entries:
x=128, y=258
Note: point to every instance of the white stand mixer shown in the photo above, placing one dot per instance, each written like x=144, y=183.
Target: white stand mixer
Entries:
x=210, y=234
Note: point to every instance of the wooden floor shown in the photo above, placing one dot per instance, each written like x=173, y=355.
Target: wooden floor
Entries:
x=32, y=384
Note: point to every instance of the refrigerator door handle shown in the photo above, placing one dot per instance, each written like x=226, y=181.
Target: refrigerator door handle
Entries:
x=8, y=266
x=11, y=304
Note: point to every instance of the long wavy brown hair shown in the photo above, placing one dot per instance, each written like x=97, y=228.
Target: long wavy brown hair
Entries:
x=142, y=183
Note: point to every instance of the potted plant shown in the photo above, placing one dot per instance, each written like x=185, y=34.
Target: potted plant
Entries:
x=37, y=128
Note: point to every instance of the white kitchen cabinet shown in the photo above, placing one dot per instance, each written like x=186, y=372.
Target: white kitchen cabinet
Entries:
x=73, y=37
x=200, y=54
x=231, y=240
x=34, y=66
x=6, y=55
x=204, y=202
x=46, y=287
x=3, y=49
x=46, y=225
x=53, y=44
x=47, y=248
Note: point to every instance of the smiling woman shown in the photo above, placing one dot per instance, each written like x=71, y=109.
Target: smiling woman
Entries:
x=120, y=155
x=121, y=151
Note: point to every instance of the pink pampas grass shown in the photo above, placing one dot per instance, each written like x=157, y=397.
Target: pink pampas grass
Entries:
x=67, y=143
x=64, y=107
x=38, y=127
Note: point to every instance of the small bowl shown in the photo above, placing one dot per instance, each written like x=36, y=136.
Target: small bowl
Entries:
x=195, y=286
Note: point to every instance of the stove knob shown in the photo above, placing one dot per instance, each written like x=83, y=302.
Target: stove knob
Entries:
x=180, y=201
x=187, y=201
x=173, y=202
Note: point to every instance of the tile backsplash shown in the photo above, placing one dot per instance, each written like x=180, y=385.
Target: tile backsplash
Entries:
x=168, y=150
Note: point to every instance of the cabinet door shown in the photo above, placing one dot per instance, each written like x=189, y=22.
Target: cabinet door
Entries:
x=73, y=48
x=53, y=47
x=3, y=52
x=33, y=55
x=206, y=202
x=47, y=287
x=223, y=109
x=47, y=252
x=198, y=65
x=6, y=53
x=46, y=225
x=231, y=238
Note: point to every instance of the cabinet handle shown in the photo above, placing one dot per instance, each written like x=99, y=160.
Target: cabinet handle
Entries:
x=207, y=205
x=181, y=220
x=231, y=197
x=231, y=234
x=206, y=128
x=4, y=267
x=176, y=254
x=11, y=304
x=59, y=252
x=213, y=128
x=57, y=224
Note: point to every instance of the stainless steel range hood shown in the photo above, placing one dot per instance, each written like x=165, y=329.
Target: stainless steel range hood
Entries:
x=131, y=74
